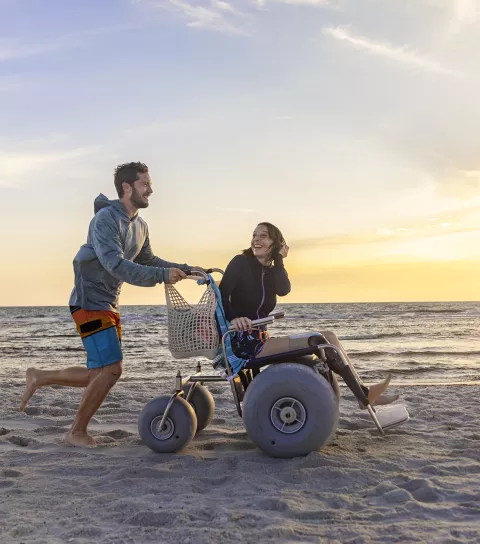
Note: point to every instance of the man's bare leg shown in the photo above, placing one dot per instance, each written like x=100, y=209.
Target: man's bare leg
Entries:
x=75, y=376
x=101, y=381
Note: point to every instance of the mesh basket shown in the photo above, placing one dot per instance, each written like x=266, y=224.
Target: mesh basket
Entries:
x=192, y=330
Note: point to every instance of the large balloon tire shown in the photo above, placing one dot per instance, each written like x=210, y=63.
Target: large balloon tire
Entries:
x=178, y=430
x=289, y=410
x=203, y=404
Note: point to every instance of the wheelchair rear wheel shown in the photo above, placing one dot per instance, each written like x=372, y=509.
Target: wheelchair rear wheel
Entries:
x=289, y=410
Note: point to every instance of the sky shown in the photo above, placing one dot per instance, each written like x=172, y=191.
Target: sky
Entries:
x=353, y=125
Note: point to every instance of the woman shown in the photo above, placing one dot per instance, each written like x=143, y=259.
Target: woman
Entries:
x=249, y=289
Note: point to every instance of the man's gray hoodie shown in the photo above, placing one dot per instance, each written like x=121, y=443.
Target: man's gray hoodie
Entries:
x=117, y=250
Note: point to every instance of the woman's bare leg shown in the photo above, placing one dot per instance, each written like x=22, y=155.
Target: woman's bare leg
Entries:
x=281, y=344
x=375, y=392
x=272, y=346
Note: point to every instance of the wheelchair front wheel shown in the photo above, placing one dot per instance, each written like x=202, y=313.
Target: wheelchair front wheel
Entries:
x=203, y=404
x=289, y=410
x=177, y=431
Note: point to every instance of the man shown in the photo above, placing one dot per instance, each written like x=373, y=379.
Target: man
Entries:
x=117, y=250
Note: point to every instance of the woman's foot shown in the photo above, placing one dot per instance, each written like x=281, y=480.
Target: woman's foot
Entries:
x=375, y=394
x=386, y=399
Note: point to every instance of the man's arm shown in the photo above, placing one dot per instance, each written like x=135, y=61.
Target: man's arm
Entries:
x=108, y=248
x=147, y=258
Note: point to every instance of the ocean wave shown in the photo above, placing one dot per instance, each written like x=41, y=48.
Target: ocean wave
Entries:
x=31, y=316
x=417, y=370
x=413, y=353
x=376, y=336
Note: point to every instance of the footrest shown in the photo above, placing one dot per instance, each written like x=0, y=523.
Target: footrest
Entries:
x=392, y=416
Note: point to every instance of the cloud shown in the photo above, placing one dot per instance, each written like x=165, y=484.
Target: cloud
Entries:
x=458, y=183
x=459, y=221
x=262, y=3
x=230, y=17
x=17, y=49
x=236, y=210
x=402, y=55
x=459, y=13
x=216, y=15
x=15, y=165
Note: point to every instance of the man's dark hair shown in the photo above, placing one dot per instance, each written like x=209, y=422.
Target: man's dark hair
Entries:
x=128, y=173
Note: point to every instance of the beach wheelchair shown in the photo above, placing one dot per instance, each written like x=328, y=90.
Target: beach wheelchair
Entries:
x=289, y=401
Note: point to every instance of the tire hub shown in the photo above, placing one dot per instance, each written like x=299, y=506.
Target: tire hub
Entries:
x=288, y=415
x=166, y=432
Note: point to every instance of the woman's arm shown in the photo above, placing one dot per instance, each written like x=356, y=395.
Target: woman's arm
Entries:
x=280, y=277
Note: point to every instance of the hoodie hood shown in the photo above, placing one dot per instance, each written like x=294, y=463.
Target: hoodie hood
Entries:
x=103, y=202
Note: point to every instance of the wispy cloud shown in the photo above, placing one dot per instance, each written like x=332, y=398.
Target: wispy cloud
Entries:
x=263, y=3
x=458, y=183
x=447, y=223
x=461, y=13
x=227, y=16
x=235, y=210
x=12, y=49
x=218, y=15
x=403, y=55
x=15, y=165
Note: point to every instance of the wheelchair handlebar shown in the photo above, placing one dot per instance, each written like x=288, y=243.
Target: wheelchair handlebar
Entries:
x=196, y=274
x=265, y=320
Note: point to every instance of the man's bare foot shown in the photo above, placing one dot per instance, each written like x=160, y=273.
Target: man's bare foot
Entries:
x=31, y=387
x=80, y=439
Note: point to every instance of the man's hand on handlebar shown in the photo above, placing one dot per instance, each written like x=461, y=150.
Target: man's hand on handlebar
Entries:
x=175, y=274
x=241, y=323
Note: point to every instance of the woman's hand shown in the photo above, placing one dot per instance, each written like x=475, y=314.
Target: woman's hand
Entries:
x=241, y=323
x=284, y=251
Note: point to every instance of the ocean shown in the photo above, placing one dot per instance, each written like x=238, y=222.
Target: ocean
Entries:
x=419, y=343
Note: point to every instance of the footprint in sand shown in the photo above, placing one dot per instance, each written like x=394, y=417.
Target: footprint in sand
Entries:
x=118, y=434
x=19, y=440
x=421, y=490
x=6, y=478
x=9, y=473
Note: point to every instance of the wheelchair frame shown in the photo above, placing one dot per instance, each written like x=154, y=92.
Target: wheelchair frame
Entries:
x=318, y=346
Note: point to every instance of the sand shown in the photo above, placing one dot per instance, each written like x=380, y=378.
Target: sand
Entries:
x=419, y=483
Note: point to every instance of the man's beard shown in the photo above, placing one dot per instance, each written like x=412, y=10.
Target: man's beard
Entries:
x=137, y=200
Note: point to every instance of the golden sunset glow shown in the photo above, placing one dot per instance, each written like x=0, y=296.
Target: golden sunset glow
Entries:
x=354, y=130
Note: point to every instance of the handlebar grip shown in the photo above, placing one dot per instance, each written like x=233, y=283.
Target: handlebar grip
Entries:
x=262, y=321
x=194, y=272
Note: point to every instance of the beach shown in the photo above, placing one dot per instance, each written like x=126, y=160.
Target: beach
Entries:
x=418, y=483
